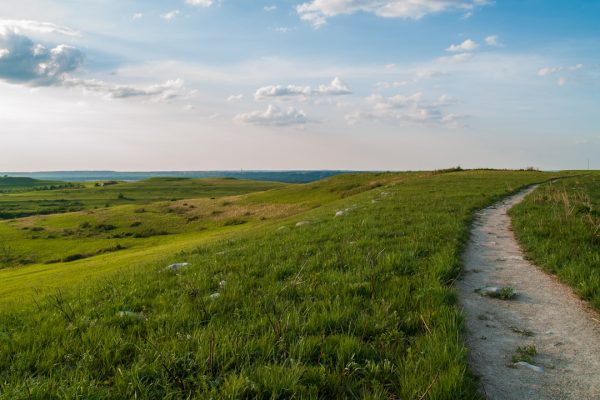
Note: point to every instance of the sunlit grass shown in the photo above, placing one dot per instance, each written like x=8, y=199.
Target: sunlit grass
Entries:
x=355, y=306
x=559, y=227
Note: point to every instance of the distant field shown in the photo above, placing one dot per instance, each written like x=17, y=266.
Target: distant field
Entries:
x=21, y=204
x=340, y=288
x=559, y=227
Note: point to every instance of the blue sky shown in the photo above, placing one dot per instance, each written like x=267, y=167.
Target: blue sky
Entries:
x=306, y=84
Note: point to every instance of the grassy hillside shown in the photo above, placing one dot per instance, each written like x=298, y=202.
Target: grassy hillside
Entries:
x=72, y=247
x=16, y=205
x=311, y=305
x=559, y=227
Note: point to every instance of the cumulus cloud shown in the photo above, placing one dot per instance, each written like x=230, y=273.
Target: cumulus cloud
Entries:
x=412, y=108
x=170, y=15
x=26, y=62
x=200, y=3
x=137, y=16
x=164, y=92
x=467, y=45
x=274, y=116
x=282, y=91
x=316, y=12
x=21, y=26
x=337, y=87
x=270, y=8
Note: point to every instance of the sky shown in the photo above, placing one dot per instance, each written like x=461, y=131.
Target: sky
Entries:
x=135, y=85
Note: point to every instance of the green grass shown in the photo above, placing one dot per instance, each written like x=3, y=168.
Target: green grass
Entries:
x=86, y=197
x=559, y=227
x=357, y=306
x=13, y=184
x=524, y=354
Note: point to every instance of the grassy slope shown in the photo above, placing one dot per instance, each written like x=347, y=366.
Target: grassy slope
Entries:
x=21, y=204
x=559, y=227
x=133, y=235
x=357, y=306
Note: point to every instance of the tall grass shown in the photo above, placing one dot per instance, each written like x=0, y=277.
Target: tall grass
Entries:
x=559, y=227
x=355, y=306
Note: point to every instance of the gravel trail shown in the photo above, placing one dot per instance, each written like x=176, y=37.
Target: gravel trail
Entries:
x=545, y=313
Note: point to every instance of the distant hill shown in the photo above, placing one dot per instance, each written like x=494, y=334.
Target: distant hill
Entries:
x=8, y=183
x=274, y=176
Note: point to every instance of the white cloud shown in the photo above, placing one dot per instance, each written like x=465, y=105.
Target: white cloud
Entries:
x=337, y=87
x=170, y=15
x=200, y=3
x=165, y=92
x=388, y=85
x=562, y=81
x=546, y=71
x=457, y=58
x=492, y=40
x=405, y=108
x=467, y=45
x=270, y=8
x=35, y=27
x=235, y=97
x=282, y=29
x=22, y=61
x=282, y=91
x=137, y=16
x=452, y=120
x=398, y=101
x=316, y=12
x=428, y=73
x=274, y=116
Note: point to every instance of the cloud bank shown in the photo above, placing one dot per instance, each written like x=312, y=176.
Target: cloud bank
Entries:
x=316, y=12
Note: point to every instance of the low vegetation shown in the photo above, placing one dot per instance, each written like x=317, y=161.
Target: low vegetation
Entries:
x=69, y=197
x=559, y=228
x=354, y=302
x=524, y=354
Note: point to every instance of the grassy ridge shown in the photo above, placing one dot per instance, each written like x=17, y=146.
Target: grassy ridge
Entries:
x=354, y=306
x=88, y=196
x=559, y=227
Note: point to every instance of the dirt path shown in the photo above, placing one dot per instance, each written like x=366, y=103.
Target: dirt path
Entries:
x=545, y=314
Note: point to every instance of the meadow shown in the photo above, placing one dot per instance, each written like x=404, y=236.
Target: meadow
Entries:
x=18, y=201
x=341, y=288
x=559, y=228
